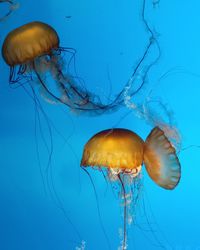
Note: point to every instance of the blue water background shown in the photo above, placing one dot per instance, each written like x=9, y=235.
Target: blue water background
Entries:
x=109, y=36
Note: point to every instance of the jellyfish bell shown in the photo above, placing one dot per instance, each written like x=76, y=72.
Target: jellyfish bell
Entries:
x=161, y=161
x=122, y=153
x=118, y=150
x=29, y=41
x=30, y=49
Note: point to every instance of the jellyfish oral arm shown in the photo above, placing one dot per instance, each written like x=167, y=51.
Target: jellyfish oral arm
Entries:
x=70, y=94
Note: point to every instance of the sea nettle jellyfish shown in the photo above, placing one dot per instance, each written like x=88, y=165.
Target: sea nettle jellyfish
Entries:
x=33, y=53
x=122, y=153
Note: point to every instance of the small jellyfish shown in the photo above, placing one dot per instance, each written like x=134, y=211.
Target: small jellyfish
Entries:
x=122, y=153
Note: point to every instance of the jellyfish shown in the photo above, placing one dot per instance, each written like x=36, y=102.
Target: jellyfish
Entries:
x=122, y=153
x=34, y=55
x=12, y=7
x=32, y=51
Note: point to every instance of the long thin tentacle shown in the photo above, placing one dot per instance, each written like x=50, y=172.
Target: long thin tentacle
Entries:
x=98, y=208
x=125, y=213
x=12, y=7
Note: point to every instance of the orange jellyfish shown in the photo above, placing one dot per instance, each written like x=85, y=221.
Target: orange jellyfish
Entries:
x=33, y=53
x=122, y=153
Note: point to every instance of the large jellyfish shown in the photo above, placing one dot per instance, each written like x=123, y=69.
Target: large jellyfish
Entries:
x=121, y=153
x=32, y=51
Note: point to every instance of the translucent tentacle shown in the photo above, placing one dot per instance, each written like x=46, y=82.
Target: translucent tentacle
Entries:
x=13, y=6
x=124, y=243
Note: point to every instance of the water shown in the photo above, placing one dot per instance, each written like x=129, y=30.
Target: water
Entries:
x=110, y=38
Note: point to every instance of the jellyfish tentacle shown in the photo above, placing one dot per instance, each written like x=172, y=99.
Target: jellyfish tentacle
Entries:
x=118, y=100
x=141, y=72
x=70, y=91
x=44, y=86
x=68, y=86
x=67, y=83
x=98, y=208
x=72, y=61
x=47, y=178
x=127, y=90
x=12, y=7
x=19, y=75
x=9, y=11
x=125, y=212
x=78, y=98
x=15, y=77
x=37, y=119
